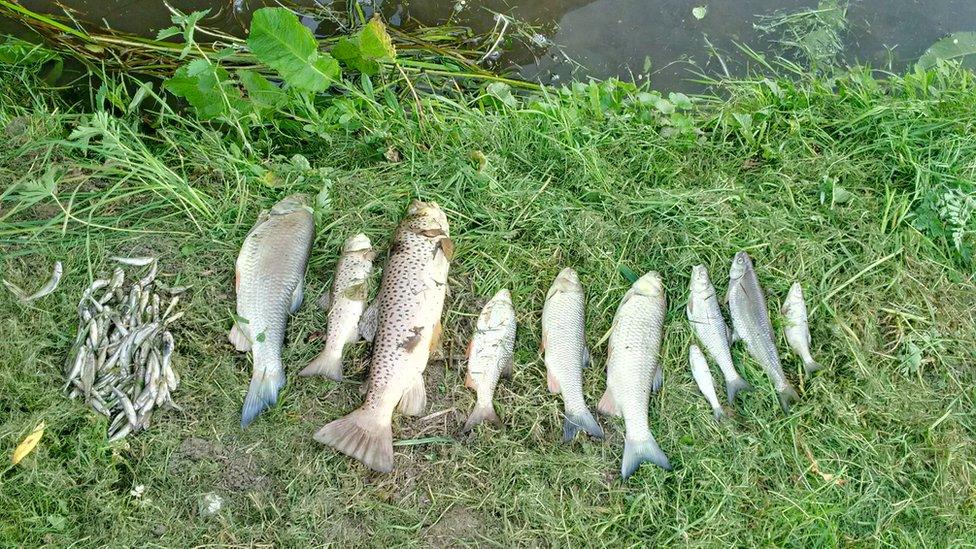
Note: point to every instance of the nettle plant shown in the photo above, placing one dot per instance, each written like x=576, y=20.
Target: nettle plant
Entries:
x=290, y=75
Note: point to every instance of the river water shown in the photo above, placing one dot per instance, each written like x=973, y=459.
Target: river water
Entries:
x=666, y=41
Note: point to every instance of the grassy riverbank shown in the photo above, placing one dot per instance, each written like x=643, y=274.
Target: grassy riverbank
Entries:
x=846, y=185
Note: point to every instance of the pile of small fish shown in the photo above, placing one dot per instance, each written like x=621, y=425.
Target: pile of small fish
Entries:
x=121, y=359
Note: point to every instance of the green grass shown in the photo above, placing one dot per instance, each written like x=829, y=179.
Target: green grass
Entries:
x=878, y=452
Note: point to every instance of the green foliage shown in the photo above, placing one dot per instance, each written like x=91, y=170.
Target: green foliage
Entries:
x=279, y=40
x=362, y=51
x=208, y=88
x=959, y=46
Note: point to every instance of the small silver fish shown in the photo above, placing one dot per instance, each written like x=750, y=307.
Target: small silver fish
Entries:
x=797, y=329
x=705, y=317
x=703, y=377
x=634, y=369
x=133, y=261
x=345, y=305
x=46, y=289
x=490, y=355
x=566, y=354
x=747, y=305
x=270, y=274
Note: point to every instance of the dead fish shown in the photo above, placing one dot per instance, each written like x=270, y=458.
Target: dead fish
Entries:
x=345, y=304
x=705, y=317
x=410, y=302
x=269, y=283
x=46, y=289
x=703, y=378
x=750, y=318
x=133, y=261
x=797, y=329
x=490, y=355
x=566, y=354
x=634, y=369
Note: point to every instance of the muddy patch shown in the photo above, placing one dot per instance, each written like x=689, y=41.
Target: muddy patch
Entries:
x=458, y=525
x=239, y=472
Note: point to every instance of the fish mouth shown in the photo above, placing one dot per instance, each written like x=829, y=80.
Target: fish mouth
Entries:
x=289, y=204
x=699, y=278
x=357, y=243
x=430, y=212
x=503, y=295
x=650, y=284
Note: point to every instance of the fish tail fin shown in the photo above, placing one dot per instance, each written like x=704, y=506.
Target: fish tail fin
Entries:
x=736, y=386
x=362, y=435
x=481, y=414
x=810, y=366
x=328, y=363
x=581, y=421
x=238, y=338
x=787, y=396
x=718, y=414
x=640, y=451
x=607, y=405
x=261, y=395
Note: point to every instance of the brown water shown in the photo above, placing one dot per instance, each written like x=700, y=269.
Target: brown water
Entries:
x=564, y=38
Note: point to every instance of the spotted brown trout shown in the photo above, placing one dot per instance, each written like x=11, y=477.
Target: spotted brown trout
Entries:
x=409, y=306
x=270, y=284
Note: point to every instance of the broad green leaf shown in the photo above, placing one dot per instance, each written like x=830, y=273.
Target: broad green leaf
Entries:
x=280, y=41
x=375, y=42
x=502, y=92
x=680, y=100
x=628, y=273
x=960, y=46
x=348, y=51
x=663, y=105
x=262, y=93
x=206, y=87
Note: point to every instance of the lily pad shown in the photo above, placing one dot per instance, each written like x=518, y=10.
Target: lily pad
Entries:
x=960, y=46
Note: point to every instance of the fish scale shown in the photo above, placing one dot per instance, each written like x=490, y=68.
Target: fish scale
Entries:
x=409, y=305
x=564, y=343
x=750, y=317
x=634, y=369
x=269, y=285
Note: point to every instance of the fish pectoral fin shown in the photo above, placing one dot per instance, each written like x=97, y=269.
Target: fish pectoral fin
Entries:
x=542, y=342
x=325, y=301
x=357, y=292
x=435, y=338
x=297, y=296
x=467, y=351
x=587, y=357
x=552, y=382
x=367, y=323
x=507, y=367
x=414, y=399
x=446, y=246
x=238, y=338
x=469, y=381
x=658, y=378
x=607, y=405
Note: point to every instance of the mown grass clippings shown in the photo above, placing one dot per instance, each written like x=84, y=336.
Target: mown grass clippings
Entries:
x=596, y=176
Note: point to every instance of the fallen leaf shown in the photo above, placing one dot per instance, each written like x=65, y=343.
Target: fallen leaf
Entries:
x=699, y=12
x=28, y=444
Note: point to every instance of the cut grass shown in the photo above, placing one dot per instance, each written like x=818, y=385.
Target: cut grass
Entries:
x=878, y=451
